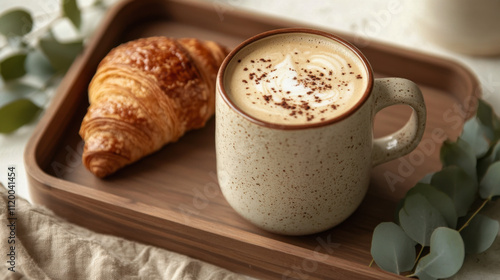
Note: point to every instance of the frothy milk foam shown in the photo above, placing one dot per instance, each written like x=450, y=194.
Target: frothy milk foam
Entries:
x=295, y=78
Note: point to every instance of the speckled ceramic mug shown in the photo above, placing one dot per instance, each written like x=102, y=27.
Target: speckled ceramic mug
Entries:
x=306, y=177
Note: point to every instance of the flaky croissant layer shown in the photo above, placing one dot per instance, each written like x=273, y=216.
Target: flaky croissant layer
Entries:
x=147, y=93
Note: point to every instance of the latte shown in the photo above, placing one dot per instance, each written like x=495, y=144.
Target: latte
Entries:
x=295, y=79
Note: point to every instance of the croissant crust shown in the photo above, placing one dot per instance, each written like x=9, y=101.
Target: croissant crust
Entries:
x=147, y=93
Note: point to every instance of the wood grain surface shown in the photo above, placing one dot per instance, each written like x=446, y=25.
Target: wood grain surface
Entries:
x=171, y=199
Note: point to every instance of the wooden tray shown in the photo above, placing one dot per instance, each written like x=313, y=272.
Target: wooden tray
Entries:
x=171, y=199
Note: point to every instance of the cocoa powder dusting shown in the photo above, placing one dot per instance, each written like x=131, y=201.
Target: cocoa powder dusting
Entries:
x=317, y=80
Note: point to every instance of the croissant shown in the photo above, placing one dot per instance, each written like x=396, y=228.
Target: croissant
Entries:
x=147, y=93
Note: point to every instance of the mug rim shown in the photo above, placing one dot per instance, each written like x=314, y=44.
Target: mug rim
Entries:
x=345, y=43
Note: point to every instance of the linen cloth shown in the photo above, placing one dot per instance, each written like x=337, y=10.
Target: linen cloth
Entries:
x=48, y=247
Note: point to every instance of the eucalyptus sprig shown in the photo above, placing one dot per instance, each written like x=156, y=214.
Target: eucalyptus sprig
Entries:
x=438, y=221
x=33, y=61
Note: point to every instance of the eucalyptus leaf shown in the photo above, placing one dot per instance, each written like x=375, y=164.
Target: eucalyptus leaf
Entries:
x=15, y=90
x=37, y=64
x=71, y=11
x=99, y=3
x=446, y=254
x=60, y=55
x=459, y=153
x=496, y=125
x=489, y=120
x=427, y=178
x=392, y=249
x=16, y=114
x=399, y=206
x=490, y=184
x=12, y=66
x=16, y=22
x=419, y=218
x=482, y=166
x=495, y=152
x=474, y=135
x=479, y=235
x=424, y=276
x=491, y=156
x=458, y=185
x=441, y=201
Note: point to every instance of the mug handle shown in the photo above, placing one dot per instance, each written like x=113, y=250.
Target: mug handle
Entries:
x=393, y=91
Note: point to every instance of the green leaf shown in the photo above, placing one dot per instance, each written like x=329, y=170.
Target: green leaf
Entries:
x=490, y=184
x=392, y=249
x=12, y=67
x=99, y=3
x=17, y=22
x=37, y=64
x=461, y=154
x=15, y=90
x=441, y=201
x=495, y=152
x=16, y=114
x=485, y=162
x=474, y=135
x=458, y=185
x=489, y=120
x=427, y=178
x=399, y=206
x=60, y=55
x=419, y=218
x=479, y=235
x=424, y=276
x=71, y=11
x=446, y=254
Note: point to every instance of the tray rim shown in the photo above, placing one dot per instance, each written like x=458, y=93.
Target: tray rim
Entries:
x=51, y=183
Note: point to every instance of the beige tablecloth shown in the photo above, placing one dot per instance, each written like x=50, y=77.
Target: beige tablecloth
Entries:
x=47, y=247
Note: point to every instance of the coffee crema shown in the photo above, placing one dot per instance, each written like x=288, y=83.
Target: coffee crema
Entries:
x=295, y=78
